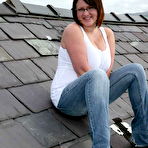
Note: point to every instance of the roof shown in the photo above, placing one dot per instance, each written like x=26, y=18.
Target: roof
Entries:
x=29, y=42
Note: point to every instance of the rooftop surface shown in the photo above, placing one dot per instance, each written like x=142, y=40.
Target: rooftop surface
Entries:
x=29, y=42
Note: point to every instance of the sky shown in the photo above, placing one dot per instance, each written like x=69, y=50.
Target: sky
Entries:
x=117, y=6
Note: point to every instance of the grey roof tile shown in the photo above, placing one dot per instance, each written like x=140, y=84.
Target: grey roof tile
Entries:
x=142, y=47
x=16, y=31
x=36, y=97
x=131, y=36
x=19, y=49
x=121, y=59
x=144, y=56
x=78, y=125
x=115, y=28
x=42, y=32
x=142, y=36
x=26, y=71
x=130, y=28
x=137, y=18
x=4, y=10
x=38, y=21
x=3, y=36
x=110, y=17
x=119, y=49
x=15, y=135
x=10, y=107
x=58, y=23
x=7, y=79
x=41, y=127
x=145, y=29
x=44, y=47
x=37, y=9
x=123, y=18
x=2, y=20
x=4, y=56
x=17, y=6
x=47, y=64
x=135, y=59
x=116, y=65
x=128, y=47
x=120, y=37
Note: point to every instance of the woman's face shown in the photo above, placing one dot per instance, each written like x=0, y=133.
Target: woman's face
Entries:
x=87, y=15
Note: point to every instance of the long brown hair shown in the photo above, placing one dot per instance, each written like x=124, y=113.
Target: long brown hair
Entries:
x=94, y=3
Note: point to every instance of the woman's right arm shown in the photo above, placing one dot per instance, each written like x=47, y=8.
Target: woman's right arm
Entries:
x=73, y=41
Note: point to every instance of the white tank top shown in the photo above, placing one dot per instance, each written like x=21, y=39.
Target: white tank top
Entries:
x=65, y=72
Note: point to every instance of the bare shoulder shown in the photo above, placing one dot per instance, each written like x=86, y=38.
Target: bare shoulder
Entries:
x=109, y=32
x=72, y=28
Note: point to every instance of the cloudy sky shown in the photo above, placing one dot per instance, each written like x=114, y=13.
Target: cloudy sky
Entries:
x=117, y=6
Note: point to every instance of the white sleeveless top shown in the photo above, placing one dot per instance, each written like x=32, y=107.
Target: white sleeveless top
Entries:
x=65, y=72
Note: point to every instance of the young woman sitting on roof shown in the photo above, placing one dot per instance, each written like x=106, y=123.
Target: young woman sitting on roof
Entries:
x=83, y=83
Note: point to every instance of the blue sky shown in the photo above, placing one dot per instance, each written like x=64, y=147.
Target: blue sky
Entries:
x=117, y=6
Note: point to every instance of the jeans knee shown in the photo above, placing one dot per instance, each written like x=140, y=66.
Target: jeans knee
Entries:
x=99, y=75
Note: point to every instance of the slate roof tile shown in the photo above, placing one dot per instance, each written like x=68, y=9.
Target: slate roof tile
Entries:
x=10, y=107
x=42, y=32
x=7, y=79
x=29, y=46
x=16, y=31
x=36, y=97
x=41, y=127
x=14, y=135
x=19, y=49
x=26, y=71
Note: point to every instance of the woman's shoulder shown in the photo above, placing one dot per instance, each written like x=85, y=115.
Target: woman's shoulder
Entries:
x=108, y=31
x=72, y=28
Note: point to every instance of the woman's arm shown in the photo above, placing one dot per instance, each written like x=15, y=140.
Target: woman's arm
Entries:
x=73, y=41
x=111, y=41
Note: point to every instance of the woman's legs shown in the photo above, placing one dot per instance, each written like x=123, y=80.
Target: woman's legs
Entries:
x=90, y=94
x=132, y=77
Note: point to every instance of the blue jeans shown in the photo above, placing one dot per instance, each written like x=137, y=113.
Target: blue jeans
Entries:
x=92, y=92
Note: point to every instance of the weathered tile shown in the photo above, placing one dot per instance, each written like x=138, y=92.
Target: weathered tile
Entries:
x=44, y=47
x=37, y=9
x=123, y=18
x=28, y=20
x=116, y=66
x=17, y=6
x=4, y=10
x=135, y=59
x=2, y=20
x=63, y=12
x=131, y=36
x=57, y=23
x=19, y=49
x=137, y=18
x=142, y=47
x=130, y=28
x=119, y=49
x=145, y=29
x=121, y=59
x=36, y=97
x=13, y=135
x=78, y=125
x=120, y=111
x=26, y=71
x=16, y=31
x=109, y=17
x=10, y=107
x=42, y=32
x=4, y=56
x=48, y=65
x=120, y=37
x=7, y=79
x=41, y=127
x=115, y=28
x=142, y=36
x=128, y=47
x=144, y=56
x=3, y=36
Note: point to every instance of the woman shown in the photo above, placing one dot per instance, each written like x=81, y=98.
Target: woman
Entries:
x=83, y=83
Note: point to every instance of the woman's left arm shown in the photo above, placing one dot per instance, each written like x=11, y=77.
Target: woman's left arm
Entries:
x=111, y=41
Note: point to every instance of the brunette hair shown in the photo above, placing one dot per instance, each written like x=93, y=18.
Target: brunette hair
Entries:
x=94, y=3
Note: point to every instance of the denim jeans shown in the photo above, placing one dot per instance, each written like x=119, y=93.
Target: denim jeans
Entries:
x=92, y=93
